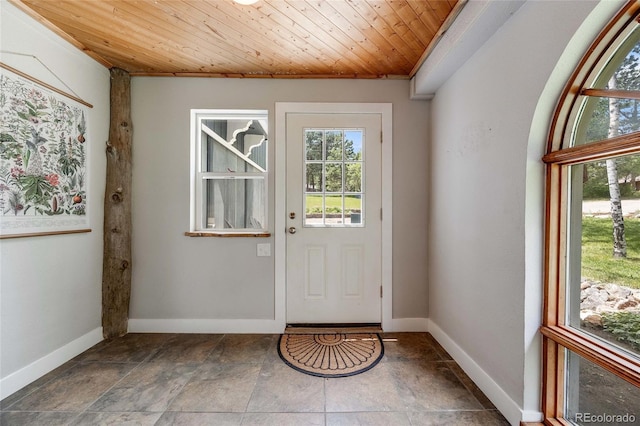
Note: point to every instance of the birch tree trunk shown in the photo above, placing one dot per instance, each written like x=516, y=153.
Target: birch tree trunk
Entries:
x=116, y=269
x=619, y=241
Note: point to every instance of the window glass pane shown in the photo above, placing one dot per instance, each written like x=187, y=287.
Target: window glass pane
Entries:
x=353, y=145
x=609, y=117
x=313, y=144
x=333, y=144
x=623, y=66
x=353, y=177
x=602, y=117
x=313, y=210
x=333, y=174
x=597, y=397
x=234, y=203
x=313, y=178
x=230, y=146
x=603, y=265
x=353, y=209
x=333, y=209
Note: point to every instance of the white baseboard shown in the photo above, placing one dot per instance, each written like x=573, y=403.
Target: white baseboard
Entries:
x=246, y=326
x=408, y=325
x=503, y=402
x=21, y=378
x=205, y=326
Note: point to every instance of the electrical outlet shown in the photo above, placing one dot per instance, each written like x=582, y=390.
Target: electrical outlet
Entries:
x=264, y=250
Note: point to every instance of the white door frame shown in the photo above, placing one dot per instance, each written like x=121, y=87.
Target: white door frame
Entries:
x=282, y=109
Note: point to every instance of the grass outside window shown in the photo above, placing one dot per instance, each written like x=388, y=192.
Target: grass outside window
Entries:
x=597, y=262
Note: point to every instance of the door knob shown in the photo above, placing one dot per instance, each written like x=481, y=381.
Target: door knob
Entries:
x=292, y=229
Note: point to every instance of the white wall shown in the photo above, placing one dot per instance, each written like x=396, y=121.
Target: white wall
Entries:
x=487, y=182
x=50, y=287
x=207, y=279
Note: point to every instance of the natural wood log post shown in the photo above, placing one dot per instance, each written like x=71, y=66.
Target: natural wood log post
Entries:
x=116, y=267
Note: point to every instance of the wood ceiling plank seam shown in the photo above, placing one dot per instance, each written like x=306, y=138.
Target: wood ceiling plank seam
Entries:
x=382, y=43
x=352, y=37
x=428, y=15
x=182, y=52
x=441, y=8
x=173, y=47
x=227, y=60
x=413, y=22
x=287, y=29
x=55, y=29
x=333, y=32
x=376, y=56
x=280, y=17
x=208, y=44
x=388, y=31
x=188, y=58
x=391, y=56
x=202, y=15
x=451, y=17
x=341, y=54
x=287, y=54
x=424, y=11
x=300, y=41
x=416, y=43
x=116, y=58
x=262, y=31
x=131, y=61
x=147, y=61
x=106, y=42
x=387, y=53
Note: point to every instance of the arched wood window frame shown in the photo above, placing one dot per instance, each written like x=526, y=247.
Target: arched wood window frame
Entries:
x=558, y=337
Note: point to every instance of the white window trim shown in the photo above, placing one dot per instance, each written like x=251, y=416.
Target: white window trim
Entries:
x=197, y=177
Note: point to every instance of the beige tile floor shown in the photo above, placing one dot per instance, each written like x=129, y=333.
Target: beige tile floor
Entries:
x=238, y=379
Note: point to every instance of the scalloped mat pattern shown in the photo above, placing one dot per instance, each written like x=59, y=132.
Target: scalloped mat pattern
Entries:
x=331, y=354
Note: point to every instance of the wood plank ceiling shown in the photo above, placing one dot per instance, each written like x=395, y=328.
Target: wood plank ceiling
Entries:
x=271, y=38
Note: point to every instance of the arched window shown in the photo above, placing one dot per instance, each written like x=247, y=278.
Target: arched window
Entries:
x=591, y=320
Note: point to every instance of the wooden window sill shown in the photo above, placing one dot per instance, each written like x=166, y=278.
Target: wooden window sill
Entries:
x=229, y=234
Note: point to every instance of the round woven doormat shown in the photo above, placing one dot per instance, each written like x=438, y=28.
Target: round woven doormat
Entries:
x=331, y=355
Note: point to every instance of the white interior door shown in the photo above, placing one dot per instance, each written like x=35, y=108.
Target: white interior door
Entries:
x=333, y=208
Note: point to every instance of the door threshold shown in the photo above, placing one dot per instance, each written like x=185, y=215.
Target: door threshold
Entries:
x=333, y=328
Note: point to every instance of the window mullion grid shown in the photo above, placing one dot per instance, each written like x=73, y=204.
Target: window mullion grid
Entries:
x=344, y=179
x=613, y=147
x=232, y=175
x=608, y=93
x=342, y=197
x=324, y=177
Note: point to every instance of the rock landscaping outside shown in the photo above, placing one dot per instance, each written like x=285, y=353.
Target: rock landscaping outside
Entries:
x=598, y=298
x=612, y=311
